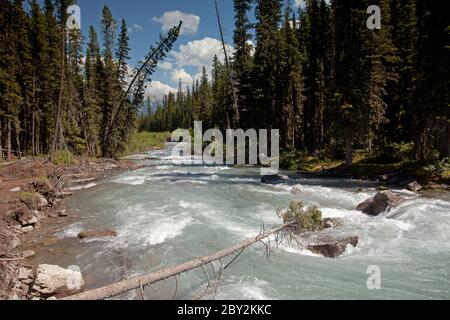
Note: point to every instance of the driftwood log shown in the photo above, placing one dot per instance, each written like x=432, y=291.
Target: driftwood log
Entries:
x=139, y=282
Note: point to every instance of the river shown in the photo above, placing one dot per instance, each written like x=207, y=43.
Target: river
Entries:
x=166, y=214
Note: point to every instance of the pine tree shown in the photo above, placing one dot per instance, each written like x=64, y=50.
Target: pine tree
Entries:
x=242, y=60
x=381, y=62
x=109, y=79
x=122, y=54
x=266, y=68
x=349, y=31
x=292, y=82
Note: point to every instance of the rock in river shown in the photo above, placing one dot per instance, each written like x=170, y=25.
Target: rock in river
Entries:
x=333, y=247
x=97, y=234
x=56, y=281
x=275, y=179
x=382, y=202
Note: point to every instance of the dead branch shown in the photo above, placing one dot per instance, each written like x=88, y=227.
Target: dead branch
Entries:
x=145, y=280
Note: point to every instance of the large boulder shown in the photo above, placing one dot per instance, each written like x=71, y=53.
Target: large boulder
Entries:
x=331, y=247
x=54, y=281
x=97, y=234
x=382, y=202
x=275, y=179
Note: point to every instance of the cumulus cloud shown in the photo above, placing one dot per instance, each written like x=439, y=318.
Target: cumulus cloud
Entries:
x=181, y=74
x=200, y=53
x=156, y=90
x=166, y=65
x=170, y=19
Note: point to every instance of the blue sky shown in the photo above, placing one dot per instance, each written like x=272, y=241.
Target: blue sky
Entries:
x=146, y=19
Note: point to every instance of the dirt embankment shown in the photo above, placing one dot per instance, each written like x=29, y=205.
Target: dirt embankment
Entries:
x=29, y=193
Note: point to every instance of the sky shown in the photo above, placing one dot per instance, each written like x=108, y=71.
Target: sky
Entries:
x=198, y=43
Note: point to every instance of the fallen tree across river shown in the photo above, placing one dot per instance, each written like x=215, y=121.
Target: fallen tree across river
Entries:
x=140, y=282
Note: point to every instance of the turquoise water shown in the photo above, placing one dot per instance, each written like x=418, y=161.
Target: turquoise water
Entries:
x=166, y=214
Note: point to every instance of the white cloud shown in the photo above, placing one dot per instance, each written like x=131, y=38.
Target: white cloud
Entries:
x=166, y=65
x=200, y=53
x=181, y=74
x=135, y=28
x=156, y=90
x=170, y=19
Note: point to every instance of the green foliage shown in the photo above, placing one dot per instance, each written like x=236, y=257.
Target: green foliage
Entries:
x=144, y=141
x=330, y=85
x=402, y=150
x=300, y=219
x=28, y=196
x=63, y=158
x=441, y=167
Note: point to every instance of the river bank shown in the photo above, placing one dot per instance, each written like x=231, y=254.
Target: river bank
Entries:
x=32, y=194
x=165, y=214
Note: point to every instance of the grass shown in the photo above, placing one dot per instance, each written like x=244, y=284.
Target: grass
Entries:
x=297, y=161
x=144, y=141
x=26, y=196
x=63, y=158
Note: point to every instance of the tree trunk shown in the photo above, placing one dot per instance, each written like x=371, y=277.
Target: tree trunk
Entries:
x=33, y=135
x=8, y=141
x=233, y=86
x=33, y=124
x=1, y=140
x=444, y=150
x=348, y=151
x=141, y=281
x=17, y=135
x=58, y=122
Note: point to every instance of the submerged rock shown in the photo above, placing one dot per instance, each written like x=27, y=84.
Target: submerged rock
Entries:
x=56, y=281
x=382, y=202
x=329, y=223
x=97, y=234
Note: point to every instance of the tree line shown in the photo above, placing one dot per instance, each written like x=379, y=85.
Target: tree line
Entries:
x=60, y=92
x=328, y=82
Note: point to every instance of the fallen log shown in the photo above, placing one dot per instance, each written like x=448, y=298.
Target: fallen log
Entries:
x=139, y=282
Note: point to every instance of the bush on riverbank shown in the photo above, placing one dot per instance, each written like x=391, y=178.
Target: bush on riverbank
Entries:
x=144, y=141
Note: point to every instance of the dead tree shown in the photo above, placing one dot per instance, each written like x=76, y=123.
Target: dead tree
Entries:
x=233, y=86
x=138, y=283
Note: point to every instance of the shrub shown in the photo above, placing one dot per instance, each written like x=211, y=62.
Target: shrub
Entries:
x=63, y=157
x=143, y=141
x=302, y=220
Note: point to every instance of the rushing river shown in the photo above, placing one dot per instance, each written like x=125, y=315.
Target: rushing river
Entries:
x=166, y=214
